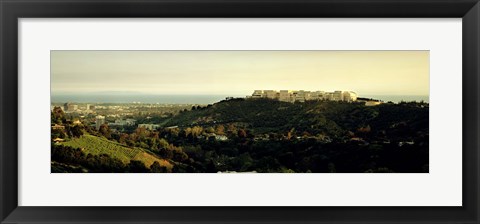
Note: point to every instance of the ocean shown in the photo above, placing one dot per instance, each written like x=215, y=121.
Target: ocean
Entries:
x=162, y=99
x=187, y=99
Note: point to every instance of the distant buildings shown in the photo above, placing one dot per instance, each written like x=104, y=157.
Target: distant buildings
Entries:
x=218, y=137
x=69, y=107
x=124, y=122
x=302, y=96
x=99, y=120
x=58, y=127
x=149, y=126
x=90, y=107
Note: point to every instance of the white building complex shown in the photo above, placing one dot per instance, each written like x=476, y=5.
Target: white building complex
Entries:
x=302, y=96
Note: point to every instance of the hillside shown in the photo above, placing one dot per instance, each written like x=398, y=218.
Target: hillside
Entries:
x=256, y=135
x=318, y=136
x=97, y=146
x=317, y=117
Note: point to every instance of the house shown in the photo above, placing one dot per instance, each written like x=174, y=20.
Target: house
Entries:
x=58, y=140
x=221, y=138
x=58, y=127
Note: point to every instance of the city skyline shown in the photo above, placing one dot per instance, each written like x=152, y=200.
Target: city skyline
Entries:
x=238, y=72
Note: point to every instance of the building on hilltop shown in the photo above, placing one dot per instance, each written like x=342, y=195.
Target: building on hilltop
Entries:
x=337, y=96
x=350, y=96
x=271, y=94
x=302, y=95
x=258, y=94
x=284, y=95
x=126, y=122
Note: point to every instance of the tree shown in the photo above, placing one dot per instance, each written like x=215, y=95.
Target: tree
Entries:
x=56, y=133
x=220, y=130
x=76, y=131
x=156, y=168
x=105, y=131
x=179, y=156
x=210, y=130
x=174, y=132
x=289, y=135
x=163, y=143
x=122, y=138
x=165, y=153
x=196, y=131
x=232, y=129
x=136, y=166
x=142, y=133
x=58, y=115
x=331, y=168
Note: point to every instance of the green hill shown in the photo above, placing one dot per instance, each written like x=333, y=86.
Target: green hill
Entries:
x=315, y=117
x=261, y=135
x=97, y=146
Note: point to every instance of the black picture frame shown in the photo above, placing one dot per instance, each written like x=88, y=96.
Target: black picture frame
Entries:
x=12, y=10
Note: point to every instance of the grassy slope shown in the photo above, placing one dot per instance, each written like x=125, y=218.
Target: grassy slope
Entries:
x=96, y=145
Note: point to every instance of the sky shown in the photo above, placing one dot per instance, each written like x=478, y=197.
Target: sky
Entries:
x=239, y=72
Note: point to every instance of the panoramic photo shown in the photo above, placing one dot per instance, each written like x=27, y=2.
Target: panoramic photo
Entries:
x=239, y=111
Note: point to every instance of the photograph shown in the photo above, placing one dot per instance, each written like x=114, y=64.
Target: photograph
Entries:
x=239, y=111
x=235, y=112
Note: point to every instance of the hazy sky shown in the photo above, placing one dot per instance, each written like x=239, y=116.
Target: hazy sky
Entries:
x=240, y=72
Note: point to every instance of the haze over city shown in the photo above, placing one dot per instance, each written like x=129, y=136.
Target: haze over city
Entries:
x=238, y=73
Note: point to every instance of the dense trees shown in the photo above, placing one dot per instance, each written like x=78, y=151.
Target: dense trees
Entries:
x=104, y=130
x=58, y=116
x=271, y=136
x=94, y=163
x=263, y=116
x=156, y=168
